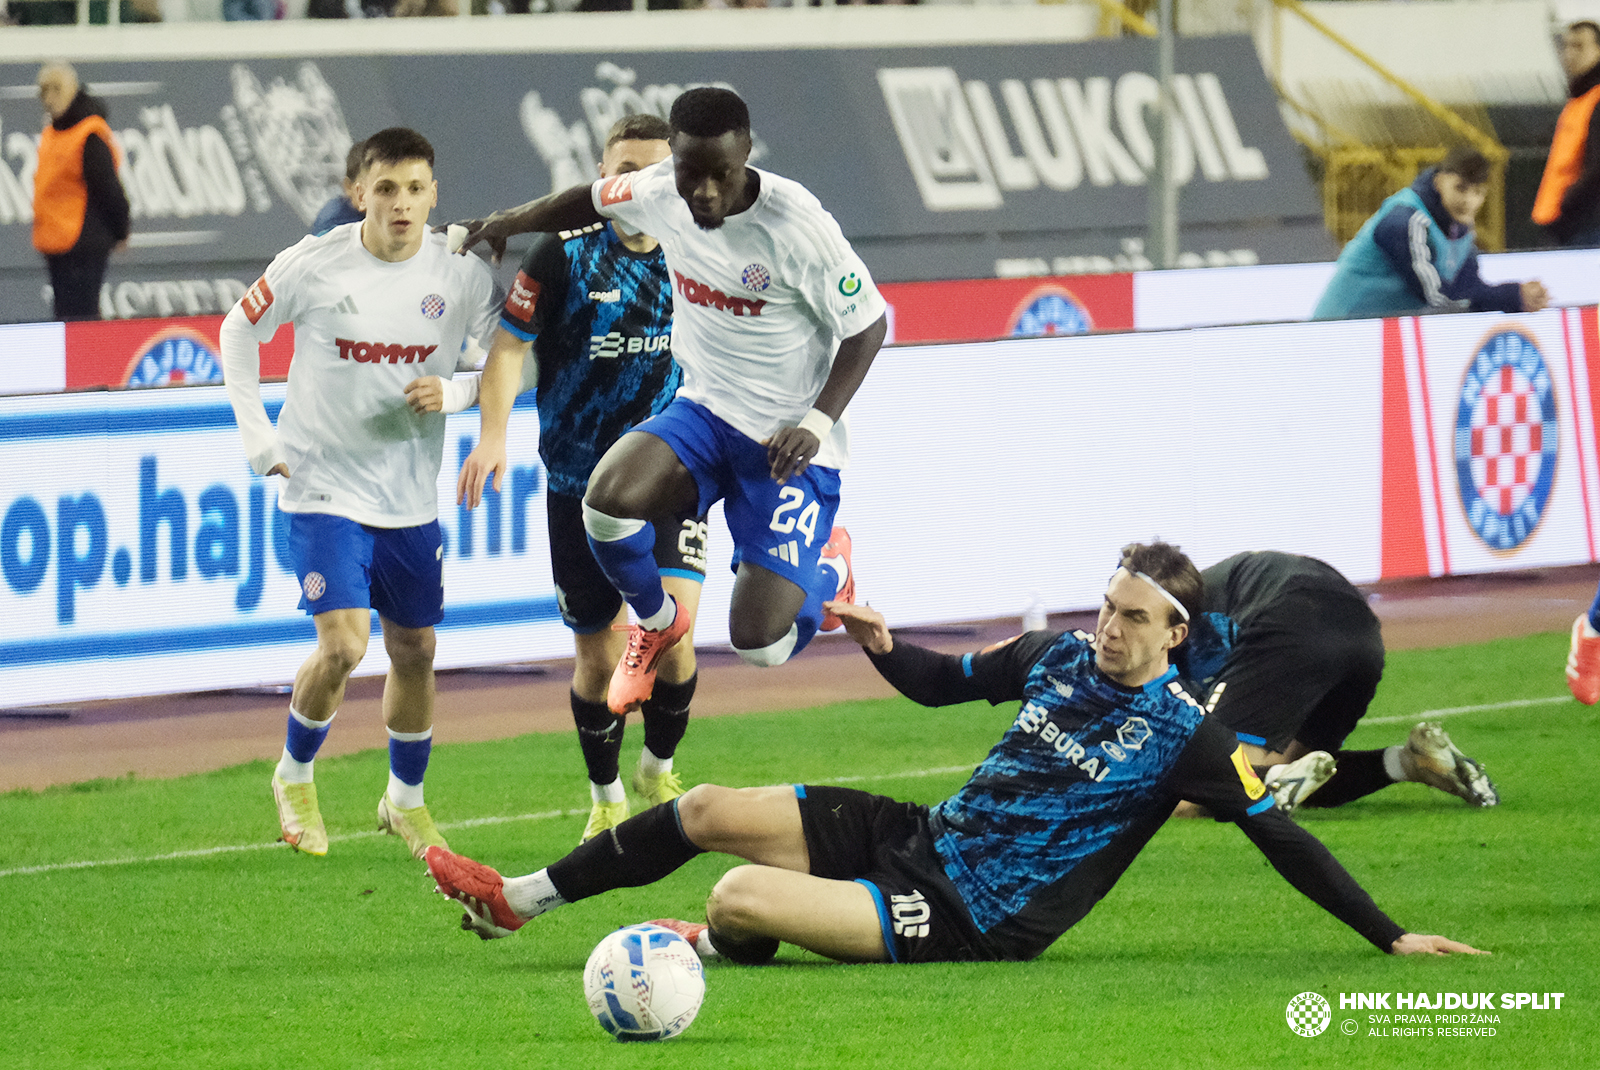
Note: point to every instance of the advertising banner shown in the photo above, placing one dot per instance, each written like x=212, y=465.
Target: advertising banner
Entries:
x=1489, y=442
x=229, y=161
x=978, y=309
x=138, y=553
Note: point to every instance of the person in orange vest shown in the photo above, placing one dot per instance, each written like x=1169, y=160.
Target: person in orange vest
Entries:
x=80, y=212
x=1568, y=202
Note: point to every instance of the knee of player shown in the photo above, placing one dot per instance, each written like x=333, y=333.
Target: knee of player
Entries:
x=704, y=813
x=413, y=649
x=342, y=650
x=736, y=903
x=761, y=643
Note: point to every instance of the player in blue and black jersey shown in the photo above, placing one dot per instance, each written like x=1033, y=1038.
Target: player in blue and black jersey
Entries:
x=594, y=309
x=1289, y=655
x=1106, y=742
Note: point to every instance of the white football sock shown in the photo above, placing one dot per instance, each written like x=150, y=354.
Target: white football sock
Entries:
x=402, y=795
x=661, y=618
x=1391, y=764
x=652, y=766
x=532, y=895
x=608, y=793
x=293, y=772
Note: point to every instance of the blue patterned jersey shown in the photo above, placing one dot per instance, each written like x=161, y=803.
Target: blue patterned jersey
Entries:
x=600, y=319
x=1083, y=777
x=1084, y=758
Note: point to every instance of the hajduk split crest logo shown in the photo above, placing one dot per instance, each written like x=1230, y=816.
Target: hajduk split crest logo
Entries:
x=1309, y=1014
x=1506, y=439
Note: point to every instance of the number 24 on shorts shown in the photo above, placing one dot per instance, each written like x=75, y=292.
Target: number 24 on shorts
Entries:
x=785, y=520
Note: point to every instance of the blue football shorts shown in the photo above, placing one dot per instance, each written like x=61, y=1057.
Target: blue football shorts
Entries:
x=346, y=565
x=779, y=528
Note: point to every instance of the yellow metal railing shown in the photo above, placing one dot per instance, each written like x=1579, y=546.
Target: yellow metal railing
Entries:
x=1117, y=18
x=1357, y=176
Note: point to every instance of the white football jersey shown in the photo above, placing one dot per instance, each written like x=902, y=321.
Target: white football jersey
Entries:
x=363, y=329
x=760, y=304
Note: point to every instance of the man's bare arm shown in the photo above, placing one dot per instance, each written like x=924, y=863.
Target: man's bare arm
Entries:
x=790, y=450
x=570, y=209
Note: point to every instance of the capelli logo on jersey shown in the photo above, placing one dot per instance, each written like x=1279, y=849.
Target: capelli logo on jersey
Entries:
x=698, y=293
x=605, y=296
x=382, y=353
x=256, y=300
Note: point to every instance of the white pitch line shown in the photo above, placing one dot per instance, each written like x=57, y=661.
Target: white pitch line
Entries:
x=543, y=815
x=1456, y=711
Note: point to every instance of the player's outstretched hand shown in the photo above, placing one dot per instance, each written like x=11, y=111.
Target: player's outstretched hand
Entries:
x=1534, y=296
x=790, y=452
x=425, y=394
x=863, y=624
x=478, y=230
x=485, y=460
x=1417, y=944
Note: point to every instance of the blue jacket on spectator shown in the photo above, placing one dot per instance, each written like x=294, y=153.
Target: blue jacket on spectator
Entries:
x=1411, y=256
x=336, y=212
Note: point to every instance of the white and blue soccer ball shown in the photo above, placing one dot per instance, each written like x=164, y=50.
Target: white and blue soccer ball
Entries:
x=644, y=983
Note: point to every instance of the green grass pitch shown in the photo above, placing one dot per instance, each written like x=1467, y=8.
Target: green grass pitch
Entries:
x=252, y=956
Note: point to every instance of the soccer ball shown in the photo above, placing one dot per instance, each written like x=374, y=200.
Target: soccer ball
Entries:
x=644, y=983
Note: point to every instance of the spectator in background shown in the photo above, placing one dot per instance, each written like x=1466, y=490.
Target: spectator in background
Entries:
x=80, y=212
x=1568, y=202
x=343, y=209
x=1418, y=252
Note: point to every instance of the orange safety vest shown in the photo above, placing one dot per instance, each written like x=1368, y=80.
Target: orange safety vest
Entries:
x=60, y=197
x=1565, y=164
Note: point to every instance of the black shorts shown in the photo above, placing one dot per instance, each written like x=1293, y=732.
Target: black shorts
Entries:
x=887, y=846
x=588, y=601
x=1305, y=671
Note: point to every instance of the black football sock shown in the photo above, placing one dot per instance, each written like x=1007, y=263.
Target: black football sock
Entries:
x=666, y=716
x=751, y=951
x=640, y=851
x=1361, y=772
x=600, y=737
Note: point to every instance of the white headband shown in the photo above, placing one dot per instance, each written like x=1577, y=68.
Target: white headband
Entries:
x=1184, y=613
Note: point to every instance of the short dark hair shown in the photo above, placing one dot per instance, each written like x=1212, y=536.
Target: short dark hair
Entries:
x=395, y=144
x=641, y=127
x=1468, y=162
x=1171, y=568
x=355, y=160
x=1587, y=24
x=709, y=111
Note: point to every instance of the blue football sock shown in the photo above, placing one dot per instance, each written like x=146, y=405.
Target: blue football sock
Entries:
x=1594, y=613
x=823, y=587
x=304, y=736
x=408, y=755
x=630, y=564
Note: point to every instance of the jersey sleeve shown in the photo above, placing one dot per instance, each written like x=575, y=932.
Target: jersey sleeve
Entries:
x=997, y=673
x=634, y=199
x=487, y=299
x=539, y=289
x=274, y=298
x=834, y=281
x=1214, y=772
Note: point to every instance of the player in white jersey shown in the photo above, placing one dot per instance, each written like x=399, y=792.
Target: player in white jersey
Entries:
x=775, y=323
x=376, y=306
